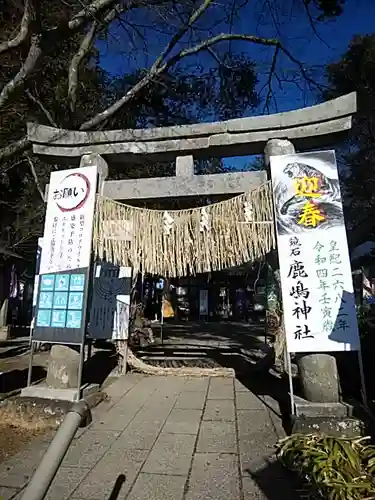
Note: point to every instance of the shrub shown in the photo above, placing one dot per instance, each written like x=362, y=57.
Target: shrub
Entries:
x=332, y=468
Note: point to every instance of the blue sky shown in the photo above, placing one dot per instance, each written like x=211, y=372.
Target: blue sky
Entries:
x=293, y=28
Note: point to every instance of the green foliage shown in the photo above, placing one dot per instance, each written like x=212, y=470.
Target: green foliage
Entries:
x=355, y=72
x=366, y=323
x=21, y=205
x=333, y=468
x=188, y=95
x=194, y=90
x=327, y=8
x=180, y=96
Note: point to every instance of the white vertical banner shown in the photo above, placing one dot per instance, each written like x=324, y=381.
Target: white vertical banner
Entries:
x=316, y=279
x=69, y=220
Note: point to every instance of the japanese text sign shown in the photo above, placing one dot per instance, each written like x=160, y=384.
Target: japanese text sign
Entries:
x=60, y=314
x=69, y=220
x=316, y=280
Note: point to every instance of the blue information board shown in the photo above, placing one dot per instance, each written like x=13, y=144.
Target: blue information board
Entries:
x=61, y=301
x=45, y=300
x=43, y=318
x=77, y=282
x=47, y=283
x=58, y=319
x=62, y=282
x=75, y=300
x=74, y=319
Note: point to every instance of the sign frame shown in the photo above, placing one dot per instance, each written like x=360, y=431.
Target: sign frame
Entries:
x=64, y=322
x=71, y=203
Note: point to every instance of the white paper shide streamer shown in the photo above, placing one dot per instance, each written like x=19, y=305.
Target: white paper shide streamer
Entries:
x=248, y=211
x=168, y=223
x=205, y=220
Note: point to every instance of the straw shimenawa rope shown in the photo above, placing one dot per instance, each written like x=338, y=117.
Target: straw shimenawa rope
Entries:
x=182, y=242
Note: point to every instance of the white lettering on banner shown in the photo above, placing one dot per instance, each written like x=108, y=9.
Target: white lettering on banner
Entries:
x=316, y=279
x=69, y=220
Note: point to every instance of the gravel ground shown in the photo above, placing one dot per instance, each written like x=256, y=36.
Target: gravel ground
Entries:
x=14, y=438
x=14, y=359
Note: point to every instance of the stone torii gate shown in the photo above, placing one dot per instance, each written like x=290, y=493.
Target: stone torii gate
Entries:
x=305, y=129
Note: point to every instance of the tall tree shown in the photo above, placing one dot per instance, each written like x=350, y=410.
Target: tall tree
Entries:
x=190, y=65
x=189, y=27
x=355, y=72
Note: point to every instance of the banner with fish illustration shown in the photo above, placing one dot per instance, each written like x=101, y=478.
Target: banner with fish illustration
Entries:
x=316, y=279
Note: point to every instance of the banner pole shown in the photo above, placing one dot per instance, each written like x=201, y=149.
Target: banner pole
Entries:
x=363, y=380
x=161, y=325
x=80, y=368
x=31, y=355
x=289, y=368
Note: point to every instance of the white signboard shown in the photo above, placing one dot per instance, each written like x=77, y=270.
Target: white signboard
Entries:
x=121, y=323
x=317, y=288
x=203, y=302
x=69, y=220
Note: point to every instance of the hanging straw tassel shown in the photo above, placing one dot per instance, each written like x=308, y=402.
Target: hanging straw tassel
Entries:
x=137, y=237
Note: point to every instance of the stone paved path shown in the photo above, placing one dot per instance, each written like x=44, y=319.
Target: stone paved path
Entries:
x=167, y=438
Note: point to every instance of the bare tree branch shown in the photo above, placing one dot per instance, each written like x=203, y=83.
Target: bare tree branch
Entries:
x=35, y=53
x=41, y=106
x=156, y=69
x=181, y=32
x=117, y=10
x=14, y=148
x=90, y=11
x=302, y=69
x=48, y=38
x=111, y=110
x=77, y=59
x=108, y=11
x=220, y=38
x=159, y=69
x=35, y=176
x=270, y=77
x=216, y=57
x=312, y=23
x=23, y=31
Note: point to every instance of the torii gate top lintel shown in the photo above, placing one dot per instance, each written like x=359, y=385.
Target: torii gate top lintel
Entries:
x=310, y=126
x=306, y=128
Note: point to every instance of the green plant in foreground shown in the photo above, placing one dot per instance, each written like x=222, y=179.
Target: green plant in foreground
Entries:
x=333, y=468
